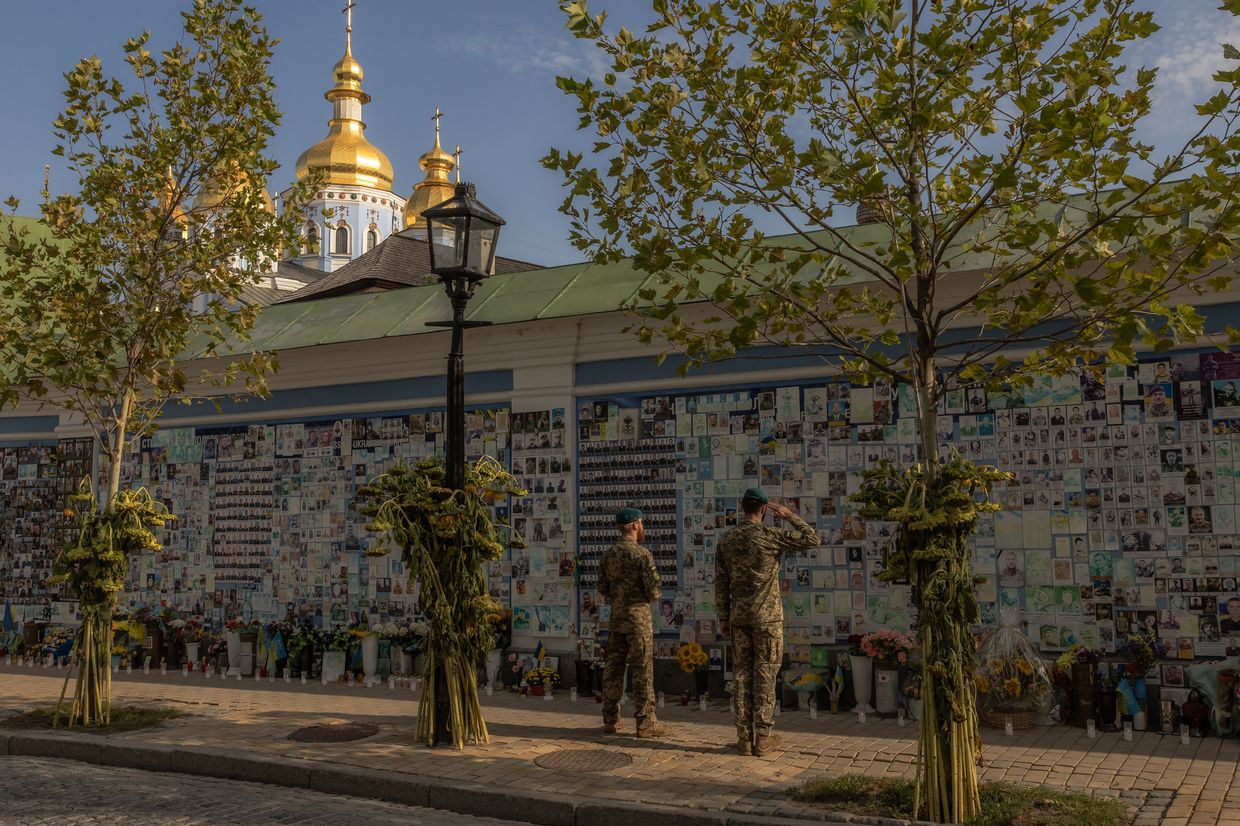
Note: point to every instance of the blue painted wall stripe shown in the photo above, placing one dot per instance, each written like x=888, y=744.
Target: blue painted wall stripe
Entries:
x=489, y=381
x=28, y=424
x=757, y=359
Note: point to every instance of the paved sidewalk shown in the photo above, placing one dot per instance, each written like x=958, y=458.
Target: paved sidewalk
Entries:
x=1166, y=782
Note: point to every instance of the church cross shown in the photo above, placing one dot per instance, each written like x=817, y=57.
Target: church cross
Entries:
x=347, y=11
x=457, y=157
x=438, y=114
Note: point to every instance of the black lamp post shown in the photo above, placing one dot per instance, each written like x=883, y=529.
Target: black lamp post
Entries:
x=461, y=234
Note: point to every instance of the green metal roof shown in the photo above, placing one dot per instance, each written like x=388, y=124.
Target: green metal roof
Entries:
x=553, y=292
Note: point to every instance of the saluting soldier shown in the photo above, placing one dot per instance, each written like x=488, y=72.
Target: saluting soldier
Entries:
x=629, y=580
x=751, y=611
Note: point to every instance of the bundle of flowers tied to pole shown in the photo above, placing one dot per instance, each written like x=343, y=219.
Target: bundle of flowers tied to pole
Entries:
x=95, y=567
x=444, y=536
x=936, y=512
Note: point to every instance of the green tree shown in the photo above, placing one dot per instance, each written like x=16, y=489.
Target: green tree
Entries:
x=1023, y=227
x=139, y=272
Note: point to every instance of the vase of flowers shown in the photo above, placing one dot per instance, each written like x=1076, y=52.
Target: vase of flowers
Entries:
x=300, y=646
x=233, y=630
x=1141, y=651
x=862, y=668
x=888, y=649
x=191, y=638
x=1076, y=671
x=542, y=679
x=692, y=660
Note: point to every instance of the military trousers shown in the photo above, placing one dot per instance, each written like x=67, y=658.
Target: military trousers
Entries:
x=636, y=651
x=757, y=652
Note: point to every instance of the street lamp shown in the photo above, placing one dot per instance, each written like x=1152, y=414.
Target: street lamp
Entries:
x=462, y=235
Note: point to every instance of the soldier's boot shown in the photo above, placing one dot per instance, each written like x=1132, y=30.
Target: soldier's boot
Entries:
x=767, y=743
x=612, y=727
x=744, y=747
x=655, y=729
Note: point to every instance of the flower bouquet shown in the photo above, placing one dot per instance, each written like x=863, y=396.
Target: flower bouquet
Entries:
x=57, y=642
x=691, y=657
x=886, y=645
x=1075, y=675
x=541, y=678
x=238, y=625
x=1142, y=651
x=1012, y=682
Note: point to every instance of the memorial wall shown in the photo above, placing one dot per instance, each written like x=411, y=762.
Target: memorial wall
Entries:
x=1122, y=515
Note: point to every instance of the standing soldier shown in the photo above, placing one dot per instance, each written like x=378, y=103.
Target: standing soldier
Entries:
x=751, y=610
x=629, y=580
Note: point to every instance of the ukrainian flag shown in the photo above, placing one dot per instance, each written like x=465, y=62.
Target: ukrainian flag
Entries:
x=540, y=653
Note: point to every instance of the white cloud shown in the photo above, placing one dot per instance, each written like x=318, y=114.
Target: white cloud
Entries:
x=1188, y=50
x=529, y=50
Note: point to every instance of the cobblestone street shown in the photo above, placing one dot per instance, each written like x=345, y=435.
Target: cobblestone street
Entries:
x=68, y=793
x=1170, y=783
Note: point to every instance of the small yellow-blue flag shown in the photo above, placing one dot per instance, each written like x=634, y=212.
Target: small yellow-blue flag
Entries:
x=540, y=653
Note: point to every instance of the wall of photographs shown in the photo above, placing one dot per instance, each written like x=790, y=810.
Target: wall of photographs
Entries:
x=1122, y=515
x=540, y=580
x=268, y=522
x=36, y=486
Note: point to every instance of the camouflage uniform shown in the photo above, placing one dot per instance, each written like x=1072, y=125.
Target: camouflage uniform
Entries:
x=629, y=580
x=747, y=596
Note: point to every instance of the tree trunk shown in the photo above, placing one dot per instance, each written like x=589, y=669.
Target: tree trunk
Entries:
x=117, y=448
x=949, y=740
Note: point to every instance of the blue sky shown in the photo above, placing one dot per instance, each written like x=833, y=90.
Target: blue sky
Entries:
x=490, y=65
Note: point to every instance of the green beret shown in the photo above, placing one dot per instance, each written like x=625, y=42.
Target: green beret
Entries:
x=627, y=516
x=756, y=495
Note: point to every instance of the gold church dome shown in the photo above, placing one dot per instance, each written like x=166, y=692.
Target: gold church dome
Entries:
x=214, y=193
x=435, y=188
x=345, y=156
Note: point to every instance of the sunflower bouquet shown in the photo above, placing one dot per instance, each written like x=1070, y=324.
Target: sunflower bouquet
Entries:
x=691, y=657
x=543, y=675
x=1011, y=676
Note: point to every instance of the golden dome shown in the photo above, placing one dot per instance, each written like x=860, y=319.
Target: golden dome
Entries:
x=348, y=74
x=214, y=193
x=435, y=188
x=345, y=156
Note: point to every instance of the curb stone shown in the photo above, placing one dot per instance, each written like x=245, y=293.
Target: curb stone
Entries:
x=532, y=807
x=85, y=748
x=635, y=814
x=391, y=787
x=151, y=757
x=354, y=782
x=238, y=765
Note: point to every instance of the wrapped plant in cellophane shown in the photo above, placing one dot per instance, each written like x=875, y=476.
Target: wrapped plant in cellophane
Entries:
x=1012, y=680
x=444, y=536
